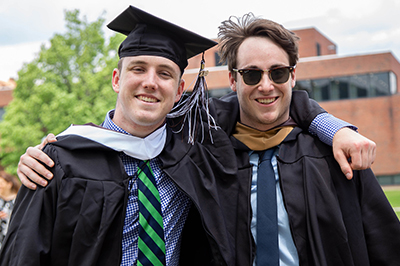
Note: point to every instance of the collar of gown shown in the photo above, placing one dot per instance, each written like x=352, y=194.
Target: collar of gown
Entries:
x=139, y=148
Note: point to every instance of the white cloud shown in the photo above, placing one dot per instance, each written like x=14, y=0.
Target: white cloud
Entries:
x=14, y=56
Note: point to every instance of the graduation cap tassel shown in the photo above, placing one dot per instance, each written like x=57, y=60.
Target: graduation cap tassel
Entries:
x=191, y=108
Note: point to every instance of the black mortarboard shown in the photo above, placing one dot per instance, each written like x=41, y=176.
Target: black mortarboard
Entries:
x=150, y=35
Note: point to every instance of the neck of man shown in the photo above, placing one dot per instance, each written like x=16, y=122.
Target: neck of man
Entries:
x=140, y=131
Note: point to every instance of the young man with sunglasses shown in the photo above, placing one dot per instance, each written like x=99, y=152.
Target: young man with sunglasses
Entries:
x=303, y=210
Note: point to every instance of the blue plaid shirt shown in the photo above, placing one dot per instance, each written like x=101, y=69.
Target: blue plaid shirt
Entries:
x=174, y=206
x=325, y=125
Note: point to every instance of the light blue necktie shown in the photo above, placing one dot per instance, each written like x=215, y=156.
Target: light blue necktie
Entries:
x=267, y=220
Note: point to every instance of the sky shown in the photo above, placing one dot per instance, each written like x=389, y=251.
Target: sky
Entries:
x=355, y=26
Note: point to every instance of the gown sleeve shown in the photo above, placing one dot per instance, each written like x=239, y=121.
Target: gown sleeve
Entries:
x=29, y=235
x=380, y=223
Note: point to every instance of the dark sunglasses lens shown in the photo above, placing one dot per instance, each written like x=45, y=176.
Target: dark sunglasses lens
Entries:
x=252, y=76
x=279, y=75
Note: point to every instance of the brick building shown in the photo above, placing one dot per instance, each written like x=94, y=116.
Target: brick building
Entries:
x=6, y=90
x=362, y=89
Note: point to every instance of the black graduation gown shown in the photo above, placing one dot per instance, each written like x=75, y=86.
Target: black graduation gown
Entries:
x=333, y=221
x=75, y=220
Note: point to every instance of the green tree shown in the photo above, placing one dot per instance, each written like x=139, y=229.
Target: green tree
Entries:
x=68, y=82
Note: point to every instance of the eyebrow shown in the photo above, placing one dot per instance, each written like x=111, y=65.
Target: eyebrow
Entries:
x=142, y=62
x=271, y=67
x=136, y=62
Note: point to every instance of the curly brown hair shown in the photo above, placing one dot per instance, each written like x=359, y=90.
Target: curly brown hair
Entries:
x=234, y=31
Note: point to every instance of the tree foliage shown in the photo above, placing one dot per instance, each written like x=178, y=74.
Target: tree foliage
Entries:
x=67, y=82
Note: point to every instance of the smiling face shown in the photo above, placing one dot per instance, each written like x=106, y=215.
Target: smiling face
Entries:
x=266, y=104
x=147, y=87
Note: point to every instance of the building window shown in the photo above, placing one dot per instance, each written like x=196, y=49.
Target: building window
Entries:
x=389, y=179
x=217, y=60
x=305, y=85
x=380, y=84
x=324, y=90
x=318, y=46
x=359, y=85
x=343, y=87
x=2, y=111
x=216, y=93
x=320, y=89
x=393, y=83
x=350, y=87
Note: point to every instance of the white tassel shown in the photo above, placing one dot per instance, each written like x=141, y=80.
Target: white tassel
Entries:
x=191, y=107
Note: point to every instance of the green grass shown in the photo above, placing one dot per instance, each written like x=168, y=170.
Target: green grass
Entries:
x=393, y=196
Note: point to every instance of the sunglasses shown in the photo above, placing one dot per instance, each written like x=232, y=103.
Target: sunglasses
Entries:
x=278, y=75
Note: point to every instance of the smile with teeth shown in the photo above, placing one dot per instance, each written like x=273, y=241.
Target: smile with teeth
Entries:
x=267, y=101
x=147, y=99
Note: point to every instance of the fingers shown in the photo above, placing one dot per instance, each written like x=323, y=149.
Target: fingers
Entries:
x=359, y=150
x=32, y=157
x=31, y=171
x=344, y=164
x=363, y=155
x=49, y=138
x=26, y=174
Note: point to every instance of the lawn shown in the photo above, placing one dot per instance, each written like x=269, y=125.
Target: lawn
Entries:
x=393, y=195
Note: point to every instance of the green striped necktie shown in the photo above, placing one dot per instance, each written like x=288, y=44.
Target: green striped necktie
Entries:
x=151, y=231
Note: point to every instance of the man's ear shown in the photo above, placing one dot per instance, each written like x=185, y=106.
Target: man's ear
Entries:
x=180, y=90
x=115, y=80
x=293, y=78
x=232, y=81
